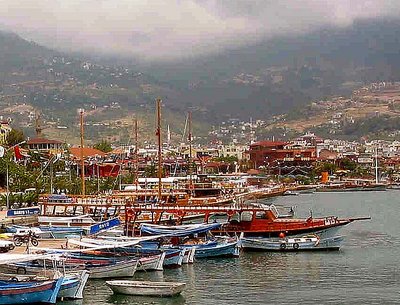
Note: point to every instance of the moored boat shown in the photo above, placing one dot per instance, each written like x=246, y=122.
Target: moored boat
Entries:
x=29, y=292
x=290, y=193
x=145, y=288
x=98, y=268
x=73, y=285
x=223, y=249
x=304, y=243
x=266, y=223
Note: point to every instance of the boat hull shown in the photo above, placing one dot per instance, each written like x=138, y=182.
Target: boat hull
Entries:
x=292, y=244
x=119, y=269
x=146, y=288
x=41, y=292
x=229, y=249
x=150, y=263
x=188, y=258
x=173, y=258
x=72, y=287
x=328, y=228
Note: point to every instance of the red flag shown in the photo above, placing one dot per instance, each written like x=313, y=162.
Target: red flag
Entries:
x=17, y=153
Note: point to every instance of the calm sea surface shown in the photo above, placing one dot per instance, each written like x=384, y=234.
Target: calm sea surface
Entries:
x=365, y=271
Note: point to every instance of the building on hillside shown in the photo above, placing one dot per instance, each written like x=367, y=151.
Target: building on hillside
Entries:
x=282, y=158
x=46, y=145
x=231, y=150
x=88, y=152
x=5, y=129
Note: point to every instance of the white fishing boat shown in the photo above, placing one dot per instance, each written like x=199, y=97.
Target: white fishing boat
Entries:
x=122, y=268
x=290, y=193
x=145, y=288
x=125, y=268
x=304, y=243
x=152, y=262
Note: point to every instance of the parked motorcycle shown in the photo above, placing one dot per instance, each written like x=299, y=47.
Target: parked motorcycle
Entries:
x=30, y=237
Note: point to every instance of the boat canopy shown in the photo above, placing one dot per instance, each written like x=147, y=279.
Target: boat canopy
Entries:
x=178, y=231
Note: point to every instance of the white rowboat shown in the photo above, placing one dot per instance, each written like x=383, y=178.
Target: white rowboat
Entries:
x=146, y=288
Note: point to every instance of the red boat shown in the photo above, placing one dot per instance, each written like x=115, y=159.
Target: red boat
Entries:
x=266, y=223
x=253, y=220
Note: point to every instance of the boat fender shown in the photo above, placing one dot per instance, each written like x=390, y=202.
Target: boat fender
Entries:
x=21, y=270
x=295, y=246
x=230, y=213
x=14, y=279
x=129, y=213
x=283, y=246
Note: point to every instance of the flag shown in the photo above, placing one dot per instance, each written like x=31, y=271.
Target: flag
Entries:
x=17, y=153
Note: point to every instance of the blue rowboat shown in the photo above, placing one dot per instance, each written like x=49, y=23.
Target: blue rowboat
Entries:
x=225, y=249
x=29, y=292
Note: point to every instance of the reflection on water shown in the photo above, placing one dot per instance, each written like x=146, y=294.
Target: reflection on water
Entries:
x=364, y=271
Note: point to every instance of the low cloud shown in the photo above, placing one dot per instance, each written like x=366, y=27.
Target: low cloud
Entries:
x=173, y=29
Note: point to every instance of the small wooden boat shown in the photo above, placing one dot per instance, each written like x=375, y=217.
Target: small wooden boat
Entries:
x=29, y=292
x=290, y=193
x=146, y=288
x=151, y=262
x=305, y=243
x=221, y=249
x=73, y=285
x=108, y=269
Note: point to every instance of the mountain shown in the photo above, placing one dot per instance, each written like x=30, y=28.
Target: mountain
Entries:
x=276, y=76
x=37, y=79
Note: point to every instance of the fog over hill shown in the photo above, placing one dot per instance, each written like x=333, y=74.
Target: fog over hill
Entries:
x=257, y=79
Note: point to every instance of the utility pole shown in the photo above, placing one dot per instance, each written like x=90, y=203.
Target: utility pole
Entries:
x=81, y=112
x=158, y=133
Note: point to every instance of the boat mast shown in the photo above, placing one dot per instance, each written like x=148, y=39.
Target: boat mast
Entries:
x=158, y=133
x=136, y=154
x=81, y=111
x=190, y=151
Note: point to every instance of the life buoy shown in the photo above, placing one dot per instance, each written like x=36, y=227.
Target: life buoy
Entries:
x=230, y=213
x=283, y=246
x=295, y=246
x=180, y=213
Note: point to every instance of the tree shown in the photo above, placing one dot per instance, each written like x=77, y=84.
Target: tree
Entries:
x=104, y=146
x=14, y=137
x=348, y=164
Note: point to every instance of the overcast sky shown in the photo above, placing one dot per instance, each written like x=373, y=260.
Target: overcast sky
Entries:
x=172, y=29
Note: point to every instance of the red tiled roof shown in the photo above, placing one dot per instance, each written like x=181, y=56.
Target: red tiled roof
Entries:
x=87, y=152
x=43, y=141
x=269, y=143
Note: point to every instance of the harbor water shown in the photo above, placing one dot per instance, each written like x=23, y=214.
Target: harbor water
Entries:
x=365, y=271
